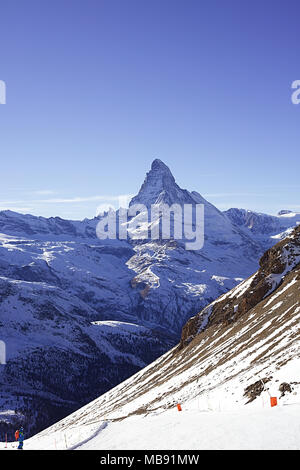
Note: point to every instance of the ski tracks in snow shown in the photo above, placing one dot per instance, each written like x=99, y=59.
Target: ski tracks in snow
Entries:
x=95, y=434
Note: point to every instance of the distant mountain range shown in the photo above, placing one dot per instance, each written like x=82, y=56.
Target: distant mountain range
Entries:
x=79, y=315
x=266, y=229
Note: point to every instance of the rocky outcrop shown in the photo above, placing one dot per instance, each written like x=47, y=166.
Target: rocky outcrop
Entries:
x=284, y=388
x=254, y=390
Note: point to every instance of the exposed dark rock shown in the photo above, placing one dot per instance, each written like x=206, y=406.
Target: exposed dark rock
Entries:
x=285, y=387
x=254, y=390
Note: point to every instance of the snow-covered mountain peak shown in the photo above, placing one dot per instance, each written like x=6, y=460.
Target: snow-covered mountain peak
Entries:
x=161, y=167
x=159, y=187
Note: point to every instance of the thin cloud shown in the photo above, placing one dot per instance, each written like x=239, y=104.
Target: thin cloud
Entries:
x=70, y=200
x=234, y=195
x=79, y=199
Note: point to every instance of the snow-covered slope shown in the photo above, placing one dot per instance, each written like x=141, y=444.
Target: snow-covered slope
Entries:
x=248, y=351
x=60, y=285
x=259, y=428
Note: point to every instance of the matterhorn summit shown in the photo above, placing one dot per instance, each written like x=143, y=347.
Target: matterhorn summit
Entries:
x=160, y=187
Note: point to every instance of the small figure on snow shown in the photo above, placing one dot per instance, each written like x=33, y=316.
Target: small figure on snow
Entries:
x=21, y=438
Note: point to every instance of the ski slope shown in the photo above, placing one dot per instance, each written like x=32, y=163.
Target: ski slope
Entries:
x=255, y=427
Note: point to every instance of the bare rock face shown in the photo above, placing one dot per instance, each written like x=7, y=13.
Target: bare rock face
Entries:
x=254, y=390
x=275, y=264
x=272, y=261
x=189, y=331
x=285, y=387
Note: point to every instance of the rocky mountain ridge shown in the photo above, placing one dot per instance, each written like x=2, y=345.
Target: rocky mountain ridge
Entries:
x=277, y=265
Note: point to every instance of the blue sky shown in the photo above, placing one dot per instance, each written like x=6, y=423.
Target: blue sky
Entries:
x=96, y=89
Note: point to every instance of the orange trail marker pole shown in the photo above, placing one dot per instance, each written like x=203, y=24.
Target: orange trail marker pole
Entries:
x=273, y=401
